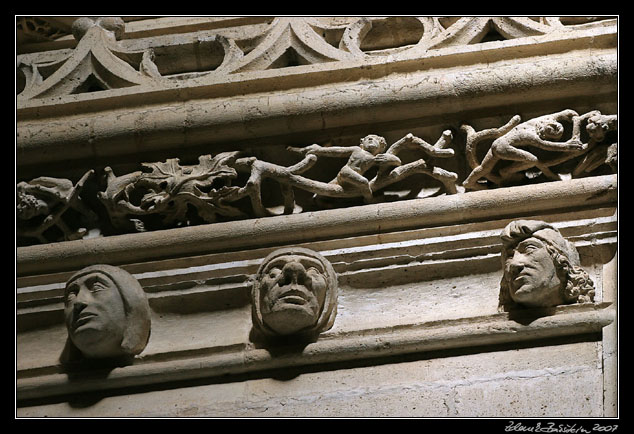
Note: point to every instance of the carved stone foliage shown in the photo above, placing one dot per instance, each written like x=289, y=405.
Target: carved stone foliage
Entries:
x=541, y=268
x=107, y=314
x=171, y=191
x=50, y=209
x=520, y=150
x=230, y=185
x=294, y=293
x=99, y=62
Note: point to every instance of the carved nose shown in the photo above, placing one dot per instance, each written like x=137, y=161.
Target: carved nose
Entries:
x=78, y=306
x=294, y=272
x=515, y=267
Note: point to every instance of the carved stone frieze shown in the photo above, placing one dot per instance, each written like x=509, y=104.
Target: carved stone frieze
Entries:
x=170, y=189
x=541, y=268
x=230, y=185
x=107, y=314
x=294, y=293
x=44, y=206
x=543, y=133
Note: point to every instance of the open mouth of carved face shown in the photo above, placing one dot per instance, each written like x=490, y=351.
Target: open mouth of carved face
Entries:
x=293, y=295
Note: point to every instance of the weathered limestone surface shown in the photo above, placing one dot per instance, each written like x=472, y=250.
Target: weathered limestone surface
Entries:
x=322, y=217
x=533, y=382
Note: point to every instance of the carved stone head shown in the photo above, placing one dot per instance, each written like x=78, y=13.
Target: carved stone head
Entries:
x=541, y=268
x=294, y=292
x=107, y=313
x=550, y=130
x=373, y=144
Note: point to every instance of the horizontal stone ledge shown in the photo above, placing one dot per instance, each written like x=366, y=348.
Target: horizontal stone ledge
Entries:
x=309, y=112
x=347, y=254
x=320, y=225
x=369, y=67
x=416, y=338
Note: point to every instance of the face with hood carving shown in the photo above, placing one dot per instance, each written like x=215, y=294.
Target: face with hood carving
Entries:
x=294, y=292
x=106, y=312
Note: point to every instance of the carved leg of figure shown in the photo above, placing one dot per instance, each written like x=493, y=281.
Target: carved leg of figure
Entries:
x=519, y=166
x=349, y=179
x=448, y=179
x=481, y=171
x=255, y=193
x=289, y=198
x=591, y=161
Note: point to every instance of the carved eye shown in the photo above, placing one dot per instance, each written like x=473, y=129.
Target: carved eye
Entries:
x=71, y=293
x=529, y=248
x=274, y=272
x=98, y=286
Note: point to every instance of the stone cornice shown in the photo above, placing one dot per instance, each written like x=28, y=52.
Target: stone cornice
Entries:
x=202, y=111
x=342, y=347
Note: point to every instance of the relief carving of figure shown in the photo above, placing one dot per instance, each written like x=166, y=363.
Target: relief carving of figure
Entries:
x=43, y=205
x=107, y=314
x=508, y=140
x=541, y=268
x=294, y=293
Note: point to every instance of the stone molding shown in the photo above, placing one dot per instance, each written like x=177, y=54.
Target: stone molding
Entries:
x=390, y=341
x=187, y=195
x=213, y=117
x=375, y=218
x=310, y=40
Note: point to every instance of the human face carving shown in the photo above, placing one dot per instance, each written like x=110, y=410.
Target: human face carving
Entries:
x=531, y=274
x=292, y=290
x=95, y=315
x=372, y=144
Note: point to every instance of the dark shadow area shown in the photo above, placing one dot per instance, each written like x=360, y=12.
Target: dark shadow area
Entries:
x=527, y=316
x=86, y=370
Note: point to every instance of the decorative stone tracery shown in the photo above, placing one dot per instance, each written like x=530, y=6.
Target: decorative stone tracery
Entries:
x=99, y=62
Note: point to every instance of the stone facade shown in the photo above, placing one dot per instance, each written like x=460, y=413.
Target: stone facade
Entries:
x=316, y=217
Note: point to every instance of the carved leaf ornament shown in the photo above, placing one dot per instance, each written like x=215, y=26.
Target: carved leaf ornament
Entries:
x=191, y=194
